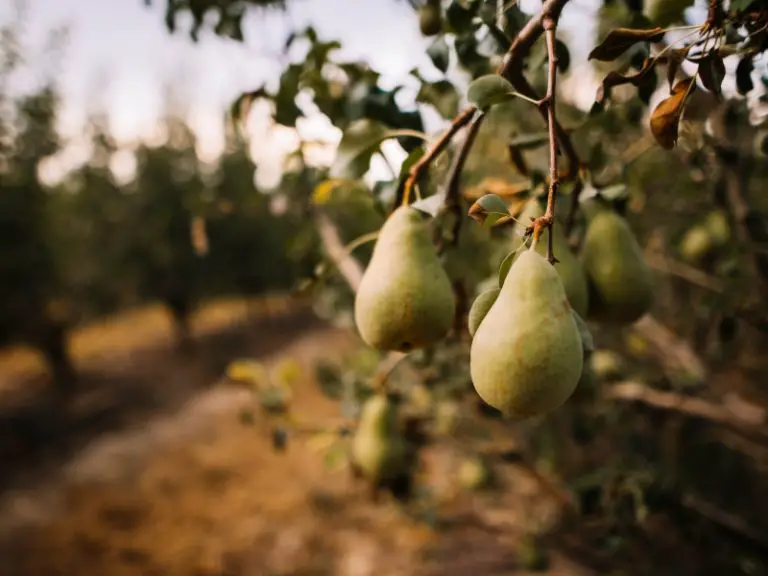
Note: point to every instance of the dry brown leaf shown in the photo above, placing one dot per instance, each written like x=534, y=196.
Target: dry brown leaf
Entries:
x=620, y=40
x=665, y=120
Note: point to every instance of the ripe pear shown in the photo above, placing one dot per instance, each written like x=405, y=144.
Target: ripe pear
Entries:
x=405, y=299
x=568, y=265
x=526, y=357
x=430, y=18
x=620, y=282
x=480, y=308
x=378, y=449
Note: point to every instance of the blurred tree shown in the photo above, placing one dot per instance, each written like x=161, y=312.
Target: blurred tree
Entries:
x=164, y=197
x=33, y=303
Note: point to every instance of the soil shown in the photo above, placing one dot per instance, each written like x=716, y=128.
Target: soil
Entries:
x=151, y=470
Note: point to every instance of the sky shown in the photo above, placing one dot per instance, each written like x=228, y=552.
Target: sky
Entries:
x=120, y=57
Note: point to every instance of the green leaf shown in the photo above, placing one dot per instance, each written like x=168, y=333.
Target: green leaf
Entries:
x=358, y=144
x=430, y=205
x=488, y=90
x=615, y=192
x=409, y=161
x=491, y=203
x=744, y=69
x=506, y=264
x=439, y=53
x=587, y=341
x=563, y=56
x=529, y=141
x=489, y=210
x=336, y=456
x=458, y=17
x=442, y=95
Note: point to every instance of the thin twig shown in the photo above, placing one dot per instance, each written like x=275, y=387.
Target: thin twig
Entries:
x=453, y=195
x=404, y=190
x=548, y=220
x=511, y=68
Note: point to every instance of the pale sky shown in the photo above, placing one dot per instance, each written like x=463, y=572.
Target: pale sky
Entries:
x=121, y=57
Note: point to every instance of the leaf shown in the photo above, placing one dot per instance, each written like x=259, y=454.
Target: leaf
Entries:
x=249, y=372
x=358, y=144
x=518, y=160
x=587, y=341
x=620, y=40
x=429, y=205
x=615, y=192
x=324, y=190
x=506, y=264
x=665, y=120
x=488, y=90
x=712, y=72
x=563, y=56
x=458, y=18
x=336, y=456
x=530, y=141
x=442, y=95
x=439, y=53
x=488, y=210
x=674, y=61
x=616, y=79
x=744, y=69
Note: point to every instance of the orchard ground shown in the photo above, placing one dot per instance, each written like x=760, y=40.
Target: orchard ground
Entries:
x=151, y=471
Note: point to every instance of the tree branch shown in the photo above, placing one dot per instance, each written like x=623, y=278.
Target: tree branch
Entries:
x=548, y=220
x=512, y=69
x=404, y=190
x=347, y=265
x=453, y=184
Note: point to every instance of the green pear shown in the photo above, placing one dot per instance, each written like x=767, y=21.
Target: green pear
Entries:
x=480, y=308
x=568, y=265
x=620, y=282
x=378, y=448
x=405, y=299
x=526, y=357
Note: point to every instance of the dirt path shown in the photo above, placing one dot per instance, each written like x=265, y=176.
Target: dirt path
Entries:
x=191, y=490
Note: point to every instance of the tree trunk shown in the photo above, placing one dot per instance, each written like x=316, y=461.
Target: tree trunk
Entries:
x=180, y=310
x=55, y=348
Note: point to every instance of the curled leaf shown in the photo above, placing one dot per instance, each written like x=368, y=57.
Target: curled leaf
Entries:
x=488, y=90
x=712, y=72
x=620, y=40
x=489, y=210
x=665, y=120
x=644, y=76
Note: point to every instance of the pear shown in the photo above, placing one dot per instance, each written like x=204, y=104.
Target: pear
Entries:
x=620, y=282
x=526, y=357
x=378, y=448
x=568, y=265
x=480, y=308
x=405, y=299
